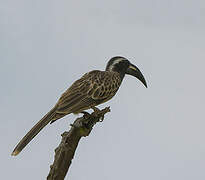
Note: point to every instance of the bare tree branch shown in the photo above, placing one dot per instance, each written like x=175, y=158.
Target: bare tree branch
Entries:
x=64, y=153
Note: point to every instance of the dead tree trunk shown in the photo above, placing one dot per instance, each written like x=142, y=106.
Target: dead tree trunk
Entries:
x=64, y=153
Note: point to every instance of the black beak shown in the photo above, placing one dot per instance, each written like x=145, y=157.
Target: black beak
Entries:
x=134, y=71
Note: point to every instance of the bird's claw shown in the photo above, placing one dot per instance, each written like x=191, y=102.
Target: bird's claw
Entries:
x=86, y=115
x=97, y=111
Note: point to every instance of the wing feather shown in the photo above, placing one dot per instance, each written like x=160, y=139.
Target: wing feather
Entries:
x=92, y=89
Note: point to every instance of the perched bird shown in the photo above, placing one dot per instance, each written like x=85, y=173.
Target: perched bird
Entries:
x=92, y=89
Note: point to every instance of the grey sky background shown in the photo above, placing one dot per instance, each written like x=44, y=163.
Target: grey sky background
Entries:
x=155, y=133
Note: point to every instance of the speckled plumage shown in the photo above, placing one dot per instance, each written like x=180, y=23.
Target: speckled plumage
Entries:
x=90, y=90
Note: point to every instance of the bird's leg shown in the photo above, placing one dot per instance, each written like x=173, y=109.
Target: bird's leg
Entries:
x=97, y=111
x=86, y=115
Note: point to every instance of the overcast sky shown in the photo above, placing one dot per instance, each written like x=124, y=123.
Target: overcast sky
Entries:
x=156, y=133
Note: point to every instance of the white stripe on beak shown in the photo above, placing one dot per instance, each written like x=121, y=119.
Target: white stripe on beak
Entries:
x=132, y=67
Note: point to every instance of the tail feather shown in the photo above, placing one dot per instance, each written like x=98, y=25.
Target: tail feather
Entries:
x=34, y=131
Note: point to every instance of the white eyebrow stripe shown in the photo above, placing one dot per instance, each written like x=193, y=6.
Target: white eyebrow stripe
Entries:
x=115, y=62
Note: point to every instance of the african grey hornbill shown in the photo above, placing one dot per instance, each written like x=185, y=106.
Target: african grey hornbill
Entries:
x=92, y=89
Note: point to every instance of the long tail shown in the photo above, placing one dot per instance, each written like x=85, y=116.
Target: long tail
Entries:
x=34, y=131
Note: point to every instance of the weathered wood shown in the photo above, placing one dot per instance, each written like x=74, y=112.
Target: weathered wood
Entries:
x=65, y=152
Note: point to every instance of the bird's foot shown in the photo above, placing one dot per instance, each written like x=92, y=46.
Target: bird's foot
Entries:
x=86, y=115
x=96, y=112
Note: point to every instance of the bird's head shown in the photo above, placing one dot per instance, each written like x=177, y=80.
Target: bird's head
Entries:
x=123, y=66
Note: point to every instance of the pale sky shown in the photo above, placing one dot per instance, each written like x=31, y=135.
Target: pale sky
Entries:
x=155, y=133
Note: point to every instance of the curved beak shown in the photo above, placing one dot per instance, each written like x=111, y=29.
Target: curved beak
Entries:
x=134, y=71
